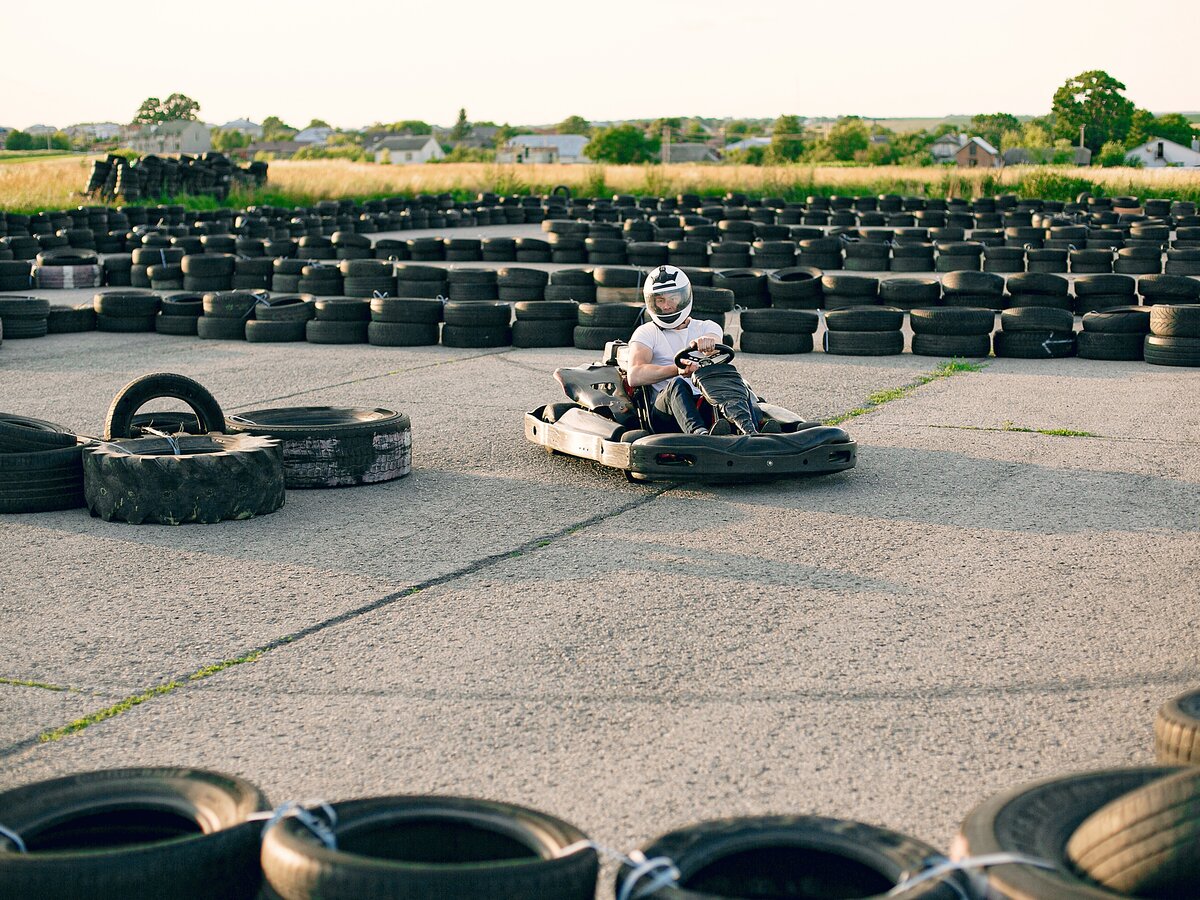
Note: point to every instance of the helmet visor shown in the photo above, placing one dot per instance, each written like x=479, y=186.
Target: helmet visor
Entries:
x=665, y=303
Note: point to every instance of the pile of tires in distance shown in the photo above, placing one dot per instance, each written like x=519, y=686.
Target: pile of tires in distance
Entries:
x=171, y=468
x=94, y=246
x=164, y=832
x=1153, y=317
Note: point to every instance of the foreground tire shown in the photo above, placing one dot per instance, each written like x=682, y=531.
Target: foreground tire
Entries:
x=967, y=346
x=21, y=434
x=212, y=478
x=119, y=421
x=41, y=481
x=409, y=848
x=1034, y=344
x=125, y=833
x=1177, y=731
x=1109, y=346
x=326, y=446
x=772, y=856
x=1172, y=351
x=1145, y=843
x=1038, y=820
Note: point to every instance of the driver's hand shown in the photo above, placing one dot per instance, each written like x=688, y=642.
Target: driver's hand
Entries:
x=706, y=344
x=688, y=370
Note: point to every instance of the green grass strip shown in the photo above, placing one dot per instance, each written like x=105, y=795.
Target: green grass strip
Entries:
x=18, y=682
x=879, y=398
x=128, y=703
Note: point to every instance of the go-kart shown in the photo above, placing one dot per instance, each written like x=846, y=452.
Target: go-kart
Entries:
x=607, y=421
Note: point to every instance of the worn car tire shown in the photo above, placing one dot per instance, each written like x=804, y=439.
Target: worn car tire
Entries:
x=543, y=333
x=319, y=331
x=952, y=320
x=118, y=423
x=212, y=477
x=275, y=332
x=1119, y=320
x=70, y=319
x=1034, y=344
x=864, y=343
x=41, y=480
x=1175, y=320
x=1038, y=820
x=402, y=334
x=1172, y=351
x=775, y=342
x=122, y=833
x=21, y=434
x=1110, y=346
x=1177, y=731
x=967, y=346
x=1036, y=318
x=327, y=446
x=780, y=321
x=413, y=310
x=791, y=856
x=864, y=318
x=412, y=848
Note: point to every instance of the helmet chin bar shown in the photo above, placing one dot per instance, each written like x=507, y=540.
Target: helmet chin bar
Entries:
x=670, y=320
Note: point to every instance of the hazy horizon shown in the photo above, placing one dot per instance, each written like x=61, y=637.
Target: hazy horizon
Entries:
x=539, y=63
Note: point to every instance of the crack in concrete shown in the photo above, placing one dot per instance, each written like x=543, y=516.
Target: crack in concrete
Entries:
x=946, y=370
x=173, y=684
x=41, y=685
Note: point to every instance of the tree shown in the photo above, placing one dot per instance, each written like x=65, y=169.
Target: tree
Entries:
x=1094, y=100
x=621, y=144
x=1035, y=136
x=992, y=126
x=461, y=127
x=787, y=141
x=1113, y=154
x=229, y=140
x=317, y=123
x=1172, y=126
x=175, y=108
x=18, y=140
x=574, y=125
x=60, y=140
x=275, y=129
x=848, y=136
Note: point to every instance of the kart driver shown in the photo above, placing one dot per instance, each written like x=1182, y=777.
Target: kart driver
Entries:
x=655, y=344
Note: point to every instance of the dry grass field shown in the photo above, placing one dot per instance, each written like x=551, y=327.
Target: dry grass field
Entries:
x=54, y=184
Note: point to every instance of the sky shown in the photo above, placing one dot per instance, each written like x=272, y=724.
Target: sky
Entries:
x=355, y=62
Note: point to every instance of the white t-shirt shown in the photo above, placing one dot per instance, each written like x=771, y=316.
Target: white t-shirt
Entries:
x=665, y=345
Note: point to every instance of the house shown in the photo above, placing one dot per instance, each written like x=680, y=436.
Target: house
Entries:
x=945, y=148
x=246, y=127
x=689, y=153
x=1037, y=156
x=747, y=143
x=42, y=130
x=276, y=149
x=553, y=148
x=978, y=153
x=179, y=136
x=1158, y=152
x=404, y=150
x=317, y=135
x=94, y=131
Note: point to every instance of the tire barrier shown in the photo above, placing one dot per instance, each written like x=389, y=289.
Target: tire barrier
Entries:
x=212, y=174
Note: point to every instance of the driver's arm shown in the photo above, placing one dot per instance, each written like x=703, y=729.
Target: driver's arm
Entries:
x=642, y=371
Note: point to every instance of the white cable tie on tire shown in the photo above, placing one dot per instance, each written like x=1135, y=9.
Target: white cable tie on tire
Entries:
x=15, y=838
x=294, y=809
x=380, y=295
x=661, y=870
x=942, y=867
x=162, y=434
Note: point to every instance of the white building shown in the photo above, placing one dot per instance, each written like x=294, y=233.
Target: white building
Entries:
x=406, y=150
x=95, y=131
x=179, y=136
x=747, y=143
x=1158, y=152
x=544, y=148
x=245, y=126
x=317, y=136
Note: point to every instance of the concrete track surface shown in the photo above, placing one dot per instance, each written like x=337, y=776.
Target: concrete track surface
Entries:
x=974, y=606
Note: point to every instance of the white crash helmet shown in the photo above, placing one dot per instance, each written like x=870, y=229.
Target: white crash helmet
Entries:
x=668, y=293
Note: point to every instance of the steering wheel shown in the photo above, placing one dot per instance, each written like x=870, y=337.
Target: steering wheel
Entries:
x=724, y=354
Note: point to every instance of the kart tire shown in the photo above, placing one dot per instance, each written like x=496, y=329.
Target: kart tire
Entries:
x=285, y=309
x=462, y=848
x=952, y=320
x=402, y=334
x=184, y=326
x=342, y=309
x=407, y=310
x=864, y=343
x=864, y=318
x=123, y=324
x=275, y=332
x=1175, y=320
x=1038, y=819
x=476, y=337
x=326, y=447
x=1119, y=320
x=967, y=346
x=317, y=331
x=1110, y=346
x=70, y=319
x=21, y=434
x=126, y=304
x=220, y=329
x=1143, y=843
x=780, y=321
x=144, y=832
x=775, y=342
x=118, y=423
x=543, y=333
x=587, y=337
x=1177, y=731
x=769, y=856
x=633, y=434
x=1034, y=344
x=1036, y=318
x=478, y=314
x=1172, y=351
x=214, y=477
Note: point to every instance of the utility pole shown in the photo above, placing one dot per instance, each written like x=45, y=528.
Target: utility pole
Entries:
x=1080, y=134
x=666, y=145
